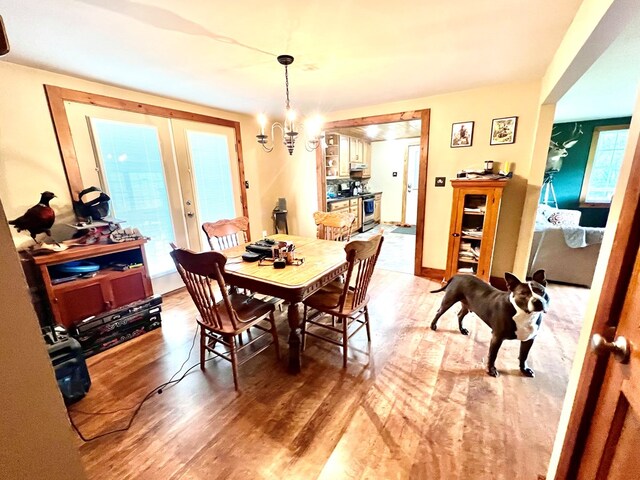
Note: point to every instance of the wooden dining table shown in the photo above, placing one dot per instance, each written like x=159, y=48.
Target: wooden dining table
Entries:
x=324, y=261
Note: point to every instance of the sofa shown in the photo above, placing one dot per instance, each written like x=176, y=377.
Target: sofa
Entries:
x=566, y=251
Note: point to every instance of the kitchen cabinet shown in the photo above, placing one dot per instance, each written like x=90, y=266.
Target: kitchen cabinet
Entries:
x=356, y=150
x=377, y=200
x=366, y=157
x=339, y=206
x=336, y=156
x=72, y=301
x=474, y=221
x=344, y=169
x=355, y=207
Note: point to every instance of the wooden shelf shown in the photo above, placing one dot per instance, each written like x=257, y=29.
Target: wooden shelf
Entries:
x=468, y=237
x=473, y=213
x=106, y=274
x=466, y=261
x=77, y=252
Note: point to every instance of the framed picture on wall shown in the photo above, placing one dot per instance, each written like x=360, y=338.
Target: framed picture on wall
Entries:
x=461, y=134
x=503, y=130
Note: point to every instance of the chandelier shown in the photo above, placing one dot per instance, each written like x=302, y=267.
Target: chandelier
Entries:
x=288, y=129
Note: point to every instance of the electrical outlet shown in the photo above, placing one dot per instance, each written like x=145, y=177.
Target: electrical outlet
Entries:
x=395, y=174
x=441, y=181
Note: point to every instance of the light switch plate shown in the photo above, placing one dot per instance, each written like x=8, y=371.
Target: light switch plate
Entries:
x=395, y=174
x=441, y=181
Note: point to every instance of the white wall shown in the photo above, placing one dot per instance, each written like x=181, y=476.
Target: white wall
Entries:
x=36, y=440
x=388, y=157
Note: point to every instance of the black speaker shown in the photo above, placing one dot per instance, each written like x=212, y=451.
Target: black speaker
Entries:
x=4, y=41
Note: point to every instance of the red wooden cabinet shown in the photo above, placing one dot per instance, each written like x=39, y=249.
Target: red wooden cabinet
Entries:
x=76, y=300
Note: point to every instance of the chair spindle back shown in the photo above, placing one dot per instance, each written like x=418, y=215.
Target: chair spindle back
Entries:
x=334, y=225
x=200, y=271
x=226, y=233
x=363, y=255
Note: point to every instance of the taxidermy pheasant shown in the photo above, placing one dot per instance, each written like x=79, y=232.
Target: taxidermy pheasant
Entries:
x=38, y=219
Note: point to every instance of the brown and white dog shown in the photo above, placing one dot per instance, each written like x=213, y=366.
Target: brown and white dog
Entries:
x=512, y=315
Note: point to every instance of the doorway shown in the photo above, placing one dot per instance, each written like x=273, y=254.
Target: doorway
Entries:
x=413, y=262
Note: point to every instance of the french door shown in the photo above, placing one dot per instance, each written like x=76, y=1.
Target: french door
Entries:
x=209, y=175
x=165, y=177
x=410, y=196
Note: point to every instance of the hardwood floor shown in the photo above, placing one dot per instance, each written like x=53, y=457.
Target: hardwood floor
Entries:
x=420, y=406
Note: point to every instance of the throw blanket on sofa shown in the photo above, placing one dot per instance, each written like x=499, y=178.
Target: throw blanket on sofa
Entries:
x=578, y=237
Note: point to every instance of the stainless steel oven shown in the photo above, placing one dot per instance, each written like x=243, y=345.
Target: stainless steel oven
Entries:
x=368, y=205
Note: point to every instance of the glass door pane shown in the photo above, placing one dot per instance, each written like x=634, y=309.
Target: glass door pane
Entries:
x=134, y=178
x=473, y=214
x=209, y=175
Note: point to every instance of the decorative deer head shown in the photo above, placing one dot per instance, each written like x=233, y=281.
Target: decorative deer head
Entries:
x=557, y=150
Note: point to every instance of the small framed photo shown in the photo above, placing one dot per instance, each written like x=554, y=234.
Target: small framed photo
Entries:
x=461, y=134
x=503, y=130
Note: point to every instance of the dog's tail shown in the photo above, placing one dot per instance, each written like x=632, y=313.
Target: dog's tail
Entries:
x=441, y=289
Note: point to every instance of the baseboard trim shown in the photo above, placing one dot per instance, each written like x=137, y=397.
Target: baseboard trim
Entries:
x=435, y=274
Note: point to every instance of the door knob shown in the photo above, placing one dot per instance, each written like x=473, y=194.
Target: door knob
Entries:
x=190, y=214
x=619, y=347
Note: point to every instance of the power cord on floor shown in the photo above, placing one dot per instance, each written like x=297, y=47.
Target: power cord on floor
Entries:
x=157, y=390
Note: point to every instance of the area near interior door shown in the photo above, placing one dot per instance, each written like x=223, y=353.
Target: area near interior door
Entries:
x=381, y=177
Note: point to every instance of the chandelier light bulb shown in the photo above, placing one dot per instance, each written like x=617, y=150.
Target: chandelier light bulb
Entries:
x=262, y=120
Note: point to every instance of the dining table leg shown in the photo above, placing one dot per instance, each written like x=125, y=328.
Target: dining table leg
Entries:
x=293, y=316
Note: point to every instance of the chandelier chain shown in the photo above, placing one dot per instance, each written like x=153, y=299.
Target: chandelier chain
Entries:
x=286, y=82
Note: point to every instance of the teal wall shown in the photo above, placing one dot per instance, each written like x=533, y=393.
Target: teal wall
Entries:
x=567, y=183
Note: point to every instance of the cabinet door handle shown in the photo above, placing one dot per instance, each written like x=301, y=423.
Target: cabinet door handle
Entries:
x=455, y=234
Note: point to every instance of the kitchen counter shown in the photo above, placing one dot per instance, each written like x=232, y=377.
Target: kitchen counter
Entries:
x=360, y=195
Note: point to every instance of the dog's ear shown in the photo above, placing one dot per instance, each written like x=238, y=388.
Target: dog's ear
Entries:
x=539, y=277
x=512, y=281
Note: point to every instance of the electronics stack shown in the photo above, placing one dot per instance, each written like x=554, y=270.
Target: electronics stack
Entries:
x=99, y=333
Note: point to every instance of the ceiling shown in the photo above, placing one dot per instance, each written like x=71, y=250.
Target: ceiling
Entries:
x=385, y=131
x=609, y=87
x=348, y=54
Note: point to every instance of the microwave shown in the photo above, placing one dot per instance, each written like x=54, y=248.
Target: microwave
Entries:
x=357, y=166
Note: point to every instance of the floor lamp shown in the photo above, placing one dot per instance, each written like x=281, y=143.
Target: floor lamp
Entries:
x=548, y=190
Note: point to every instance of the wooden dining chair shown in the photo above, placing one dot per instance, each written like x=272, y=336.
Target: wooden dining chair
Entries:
x=222, y=322
x=226, y=233
x=334, y=225
x=348, y=300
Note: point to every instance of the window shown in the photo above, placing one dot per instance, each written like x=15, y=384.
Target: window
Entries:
x=603, y=168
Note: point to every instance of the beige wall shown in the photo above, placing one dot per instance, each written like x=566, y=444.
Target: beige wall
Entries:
x=480, y=105
x=30, y=161
x=388, y=157
x=36, y=440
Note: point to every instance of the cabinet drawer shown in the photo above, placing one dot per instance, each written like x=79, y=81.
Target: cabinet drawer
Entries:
x=353, y=202
x=341, y=205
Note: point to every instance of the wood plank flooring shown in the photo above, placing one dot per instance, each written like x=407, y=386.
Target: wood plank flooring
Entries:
x=418, y=406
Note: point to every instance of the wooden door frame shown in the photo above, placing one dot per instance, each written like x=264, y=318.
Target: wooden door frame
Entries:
x=424, y=116
x=56, y=98
x=625, y=247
